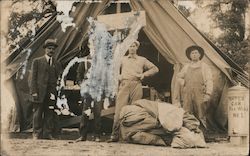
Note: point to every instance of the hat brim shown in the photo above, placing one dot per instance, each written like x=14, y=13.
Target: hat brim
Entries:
x=192, y=48
x=50, y=44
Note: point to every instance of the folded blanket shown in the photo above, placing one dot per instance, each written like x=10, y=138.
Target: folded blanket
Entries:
x=188, y=139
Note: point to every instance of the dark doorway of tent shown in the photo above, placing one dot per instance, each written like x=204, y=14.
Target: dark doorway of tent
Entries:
x=158, y=85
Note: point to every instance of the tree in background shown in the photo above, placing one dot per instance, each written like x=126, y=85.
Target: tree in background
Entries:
x=185, y=11
x=26, y=18
x=229, y=16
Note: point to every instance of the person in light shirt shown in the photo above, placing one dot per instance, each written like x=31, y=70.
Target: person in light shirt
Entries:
x=134, y=69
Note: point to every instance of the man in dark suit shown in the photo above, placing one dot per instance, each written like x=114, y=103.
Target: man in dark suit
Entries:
x=44, y=74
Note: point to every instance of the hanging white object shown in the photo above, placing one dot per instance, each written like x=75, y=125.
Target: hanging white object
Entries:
x=66, y=71
x=99, y=81
x=132, y=21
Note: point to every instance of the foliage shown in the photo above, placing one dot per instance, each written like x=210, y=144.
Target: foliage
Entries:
x=229, y=16
x=17, y=20
x=185, y=11
x=24, y=21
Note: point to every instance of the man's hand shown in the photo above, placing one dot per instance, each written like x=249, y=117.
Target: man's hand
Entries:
x=206, y=98
x=140, y=76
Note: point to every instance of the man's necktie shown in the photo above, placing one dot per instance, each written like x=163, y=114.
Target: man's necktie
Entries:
x=50, y=61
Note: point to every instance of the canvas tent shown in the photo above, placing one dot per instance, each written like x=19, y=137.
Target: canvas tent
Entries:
x=167, y=29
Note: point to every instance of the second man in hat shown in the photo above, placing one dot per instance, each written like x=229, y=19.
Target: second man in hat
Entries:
x=196, y=79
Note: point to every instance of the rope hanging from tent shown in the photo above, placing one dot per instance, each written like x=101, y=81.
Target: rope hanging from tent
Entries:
x=240, y=77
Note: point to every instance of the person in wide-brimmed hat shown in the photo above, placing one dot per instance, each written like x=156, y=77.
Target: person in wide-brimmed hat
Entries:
x=194, y=48
x=196, y=80
x=44, y=74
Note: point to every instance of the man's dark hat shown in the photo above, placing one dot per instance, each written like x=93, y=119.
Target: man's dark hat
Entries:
x=50, y=42
x=192, y=48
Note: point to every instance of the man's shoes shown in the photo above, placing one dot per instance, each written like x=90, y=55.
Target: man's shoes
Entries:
x=81, y=139
x=113, y=139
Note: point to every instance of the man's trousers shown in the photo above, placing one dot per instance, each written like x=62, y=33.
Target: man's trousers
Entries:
x=129, y=91
x=45, y=120
x=84, y=124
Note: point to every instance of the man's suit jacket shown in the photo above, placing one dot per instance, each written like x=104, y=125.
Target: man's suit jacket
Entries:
x=40, y=76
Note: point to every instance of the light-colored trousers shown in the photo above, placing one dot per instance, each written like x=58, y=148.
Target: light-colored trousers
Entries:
x=129, y=91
